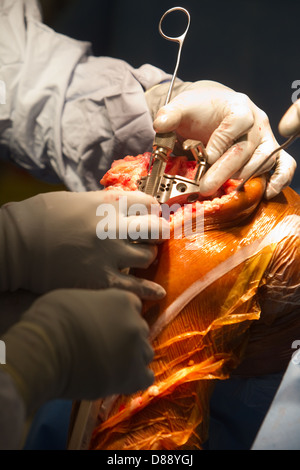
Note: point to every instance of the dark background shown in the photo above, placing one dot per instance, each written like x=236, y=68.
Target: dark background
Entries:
x=251, y=46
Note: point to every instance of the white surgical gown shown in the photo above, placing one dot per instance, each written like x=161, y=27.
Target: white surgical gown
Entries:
x=67, y=114
x=64, y=116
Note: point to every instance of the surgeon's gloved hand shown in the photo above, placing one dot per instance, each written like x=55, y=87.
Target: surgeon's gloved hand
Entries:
x=53, y=241
x=236, y=133
x=79, y=344
x=290, y=122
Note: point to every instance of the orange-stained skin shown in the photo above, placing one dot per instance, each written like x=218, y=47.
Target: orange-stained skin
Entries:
x=232, y=306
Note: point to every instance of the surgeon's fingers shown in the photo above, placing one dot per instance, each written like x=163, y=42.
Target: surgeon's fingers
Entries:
x=148, y=353
x=282, y=176
x=238, y=120
x=144, y=378
x=259, y=162
x=136, y=255
x=168, y=118
x=147, y=228
x=290, y=122
x=285, y=166
x=225, y=167
x=128, y=202
x=143, y=288
x=146, y=201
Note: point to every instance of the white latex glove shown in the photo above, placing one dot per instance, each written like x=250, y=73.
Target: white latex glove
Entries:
x=290, y=123
x=50, y=241
x=236, y=133
x=79, y=344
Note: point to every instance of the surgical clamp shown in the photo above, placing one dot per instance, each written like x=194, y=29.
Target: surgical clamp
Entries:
x=169, y=188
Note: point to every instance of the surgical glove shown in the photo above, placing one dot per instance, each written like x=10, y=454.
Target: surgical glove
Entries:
x=290, y=123
x=236, y=133
x=50, y=241
x=79, y=344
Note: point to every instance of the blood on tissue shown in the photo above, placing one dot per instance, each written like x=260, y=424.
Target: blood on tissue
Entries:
x=153, y=391
x=136, y=403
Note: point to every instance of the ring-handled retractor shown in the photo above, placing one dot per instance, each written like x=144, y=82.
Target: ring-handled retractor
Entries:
x=173, y=188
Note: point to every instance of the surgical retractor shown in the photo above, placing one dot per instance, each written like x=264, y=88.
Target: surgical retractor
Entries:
x=160, y=185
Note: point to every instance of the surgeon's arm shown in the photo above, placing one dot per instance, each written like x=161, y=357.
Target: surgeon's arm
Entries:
x=67, y=239
x=72, y=344
x=12, y=415
x=67, y=115
x=290, y=122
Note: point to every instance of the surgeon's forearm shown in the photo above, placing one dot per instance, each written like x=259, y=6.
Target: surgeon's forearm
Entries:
x=14, y=254
x=57, y=93
x=4, y=285
x=36, y=66
x=12, y=414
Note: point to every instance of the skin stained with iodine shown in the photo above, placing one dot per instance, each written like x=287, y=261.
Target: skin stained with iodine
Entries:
x=218, y=296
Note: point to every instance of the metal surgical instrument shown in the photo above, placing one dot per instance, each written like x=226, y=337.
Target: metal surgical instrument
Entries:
x=160, y=185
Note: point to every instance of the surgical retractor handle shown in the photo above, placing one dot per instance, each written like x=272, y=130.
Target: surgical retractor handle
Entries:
x=164, y=143
x=179, y=39
x=285, y=145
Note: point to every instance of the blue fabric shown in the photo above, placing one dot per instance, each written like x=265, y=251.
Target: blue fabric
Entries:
x=49, y=429
x=237, y=410
x=281, y=427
